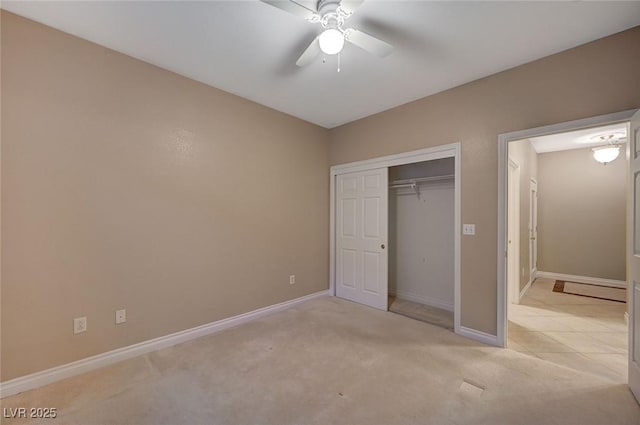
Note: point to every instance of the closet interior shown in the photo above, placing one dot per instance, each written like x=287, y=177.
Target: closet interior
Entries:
x=421, y=235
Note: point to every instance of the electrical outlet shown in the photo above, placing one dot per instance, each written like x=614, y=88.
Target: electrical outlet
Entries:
x=121, y=316
x=79, y=325
x=469, y=229
x=292, y=279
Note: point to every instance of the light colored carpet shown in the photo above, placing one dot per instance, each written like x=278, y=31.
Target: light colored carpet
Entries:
x=425, y=313
x=330, y=361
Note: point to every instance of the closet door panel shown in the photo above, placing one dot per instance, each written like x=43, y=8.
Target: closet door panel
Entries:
x=349, y=219
x=371, y=219
x=371, y=267
x=361, y=232
x=348, y=268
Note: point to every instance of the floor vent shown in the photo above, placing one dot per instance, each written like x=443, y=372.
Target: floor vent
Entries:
x=471, y=388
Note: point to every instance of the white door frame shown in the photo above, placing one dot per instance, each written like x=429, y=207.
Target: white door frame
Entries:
x=533, y=230
x=503, y=139
x=445, y=151
x=513, y=227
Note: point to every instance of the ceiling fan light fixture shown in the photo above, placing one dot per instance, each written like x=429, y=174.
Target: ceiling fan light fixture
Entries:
x=606, y=154
x=331, y=41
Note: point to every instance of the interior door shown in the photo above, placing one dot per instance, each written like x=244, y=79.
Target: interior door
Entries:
x=633, y=253
x=361, y=237
x=533, y=231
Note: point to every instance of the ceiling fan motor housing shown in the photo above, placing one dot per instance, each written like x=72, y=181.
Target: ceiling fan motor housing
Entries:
x=328, y=6
x=331, y=14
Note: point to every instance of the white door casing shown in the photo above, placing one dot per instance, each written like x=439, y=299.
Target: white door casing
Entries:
x=533, y=230
x=633, y=253
x=427, y=154
x=503, y=141
x=361, y=237
x=513, y=230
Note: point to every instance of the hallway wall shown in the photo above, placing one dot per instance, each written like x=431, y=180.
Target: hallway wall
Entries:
x=581, y=215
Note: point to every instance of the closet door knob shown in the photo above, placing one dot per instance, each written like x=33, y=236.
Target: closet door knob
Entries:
x=382, y=246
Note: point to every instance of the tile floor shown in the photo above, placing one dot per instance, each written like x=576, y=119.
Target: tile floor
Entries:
x=586, y=334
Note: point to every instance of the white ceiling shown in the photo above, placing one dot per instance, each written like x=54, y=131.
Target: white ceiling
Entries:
x=249, y=48
x=585, y=138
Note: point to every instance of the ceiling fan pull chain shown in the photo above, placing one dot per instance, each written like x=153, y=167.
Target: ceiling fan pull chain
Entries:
x=338, y=62
x=324, y=59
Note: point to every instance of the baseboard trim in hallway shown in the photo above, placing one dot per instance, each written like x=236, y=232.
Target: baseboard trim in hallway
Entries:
x=38, y=379
x=526, y=287
x=479, y=336
x=583, y=279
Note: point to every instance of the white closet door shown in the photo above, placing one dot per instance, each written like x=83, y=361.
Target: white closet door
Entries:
x=634, y=256
x=361, y=237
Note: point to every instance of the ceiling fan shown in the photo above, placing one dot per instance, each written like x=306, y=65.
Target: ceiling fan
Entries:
x=332, y=14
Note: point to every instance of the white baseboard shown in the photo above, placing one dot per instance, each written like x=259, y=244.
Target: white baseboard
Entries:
x=478, y=336
x=424, y=300
x=526, y=287
x=584, y=279
x=38, y=379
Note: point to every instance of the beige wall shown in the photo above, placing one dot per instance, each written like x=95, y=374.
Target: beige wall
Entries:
x=577, y=83
x=523, y=154
x=581, y=215
x=128, y=186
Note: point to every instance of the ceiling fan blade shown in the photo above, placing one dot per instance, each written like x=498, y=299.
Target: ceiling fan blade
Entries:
x=310, y=53
x=368, y=42
x=350, y=5
x=293, y=8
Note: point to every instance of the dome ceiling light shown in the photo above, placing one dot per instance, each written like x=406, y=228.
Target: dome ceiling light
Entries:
x=609, y=151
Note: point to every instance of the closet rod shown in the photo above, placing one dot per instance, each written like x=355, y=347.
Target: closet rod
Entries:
x=411, y=185
x=410, y=182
